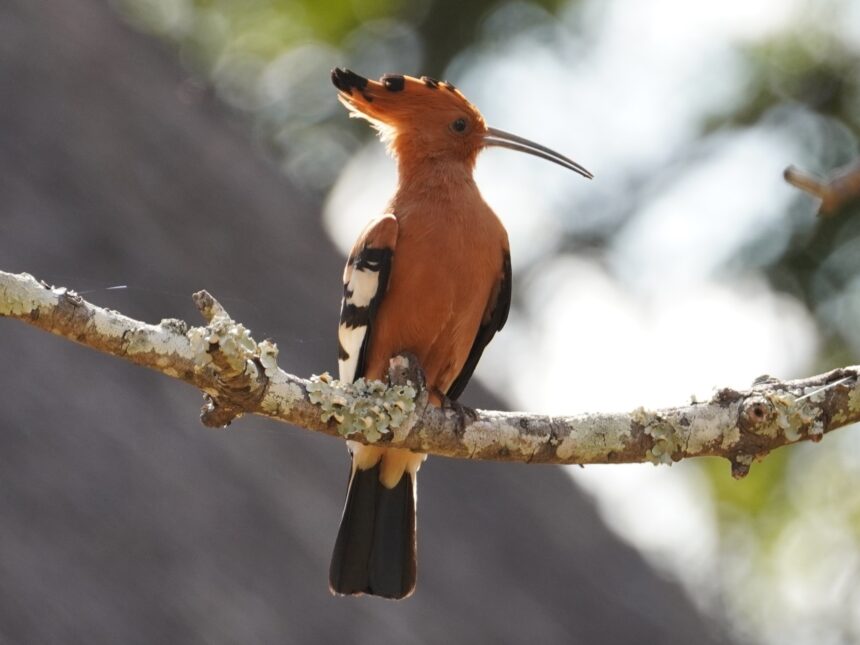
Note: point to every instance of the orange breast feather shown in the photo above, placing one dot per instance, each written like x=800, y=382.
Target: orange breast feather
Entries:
x=441, y=284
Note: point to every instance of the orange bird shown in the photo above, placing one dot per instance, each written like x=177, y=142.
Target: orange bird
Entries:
x=431, y=276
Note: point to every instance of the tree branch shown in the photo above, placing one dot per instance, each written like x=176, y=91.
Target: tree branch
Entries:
x=241, y=376
x=841, y=189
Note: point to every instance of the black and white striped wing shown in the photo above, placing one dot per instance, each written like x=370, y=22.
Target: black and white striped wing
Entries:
x=365, y=281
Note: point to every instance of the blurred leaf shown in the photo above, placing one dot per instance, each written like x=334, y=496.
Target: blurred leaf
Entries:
x=814, y=70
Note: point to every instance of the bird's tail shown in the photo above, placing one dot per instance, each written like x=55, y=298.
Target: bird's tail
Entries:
x=375, y=548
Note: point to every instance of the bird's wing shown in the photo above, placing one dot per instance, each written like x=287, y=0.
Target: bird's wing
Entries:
x=495, y=316
x=365, y=281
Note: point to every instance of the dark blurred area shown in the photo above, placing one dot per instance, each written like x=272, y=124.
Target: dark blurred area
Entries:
x=123, y=520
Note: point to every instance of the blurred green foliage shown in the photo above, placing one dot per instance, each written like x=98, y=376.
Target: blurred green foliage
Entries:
x=271, y=58
x=815, y=70
x=209, y=28
x=754, y=494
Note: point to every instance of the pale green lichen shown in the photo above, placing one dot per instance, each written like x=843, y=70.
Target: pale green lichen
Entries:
x=854, y=399
x=707, y=426
x=792, y=415
x=268, y=355
x=817, y=428
x=745, y=460
x=731, y=437
x=641, y=416
x=281, y=395
x=596, y=435
x=234, y=342
x=197, y=340
x=817, y=395
x=16, y=306
x=174, y=325
x=137, y=341
x=16, y=297
x=848, y=414
x=367, y=408
x=741, y=465
x=665, y=443
x=496, y=436
x=664, y=434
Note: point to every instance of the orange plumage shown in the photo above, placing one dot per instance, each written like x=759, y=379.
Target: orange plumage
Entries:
x=432, y=277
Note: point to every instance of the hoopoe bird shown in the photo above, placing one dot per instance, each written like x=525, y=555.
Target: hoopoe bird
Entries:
x=431, y=276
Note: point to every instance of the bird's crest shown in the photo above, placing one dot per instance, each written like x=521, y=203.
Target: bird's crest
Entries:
x=423, y=109
x=423, y=119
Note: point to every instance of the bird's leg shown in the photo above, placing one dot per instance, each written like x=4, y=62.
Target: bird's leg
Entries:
x=404, y=369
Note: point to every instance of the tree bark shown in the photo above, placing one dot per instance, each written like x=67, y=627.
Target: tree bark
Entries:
x=240, y=376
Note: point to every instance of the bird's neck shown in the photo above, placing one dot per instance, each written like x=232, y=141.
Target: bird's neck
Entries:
x=437, y=180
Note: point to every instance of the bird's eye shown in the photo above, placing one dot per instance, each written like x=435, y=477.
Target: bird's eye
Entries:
x=459, y=125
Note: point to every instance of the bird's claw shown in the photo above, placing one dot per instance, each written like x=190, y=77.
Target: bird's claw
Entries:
x=465, y=414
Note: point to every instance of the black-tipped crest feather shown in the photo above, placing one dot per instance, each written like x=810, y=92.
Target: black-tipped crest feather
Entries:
x=345, y=80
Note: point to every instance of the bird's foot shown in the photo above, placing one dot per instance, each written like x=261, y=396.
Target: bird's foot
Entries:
x=465, y=415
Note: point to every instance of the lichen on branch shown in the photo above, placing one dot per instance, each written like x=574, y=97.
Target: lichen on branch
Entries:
x=369, y=409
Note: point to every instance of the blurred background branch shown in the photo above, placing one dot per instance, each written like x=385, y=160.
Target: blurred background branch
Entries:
x=837, y=192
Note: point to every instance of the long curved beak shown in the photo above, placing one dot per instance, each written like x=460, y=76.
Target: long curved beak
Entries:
x=502, y=139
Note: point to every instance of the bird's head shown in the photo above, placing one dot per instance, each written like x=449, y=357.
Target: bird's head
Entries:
x=422, y=118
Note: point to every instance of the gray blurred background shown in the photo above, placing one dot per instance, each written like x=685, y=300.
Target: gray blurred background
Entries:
x=165, y=146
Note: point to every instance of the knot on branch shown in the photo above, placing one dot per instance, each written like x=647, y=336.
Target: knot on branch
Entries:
x=757, y=414
x=775, y=408
x=741, y=465
x=240, y=367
